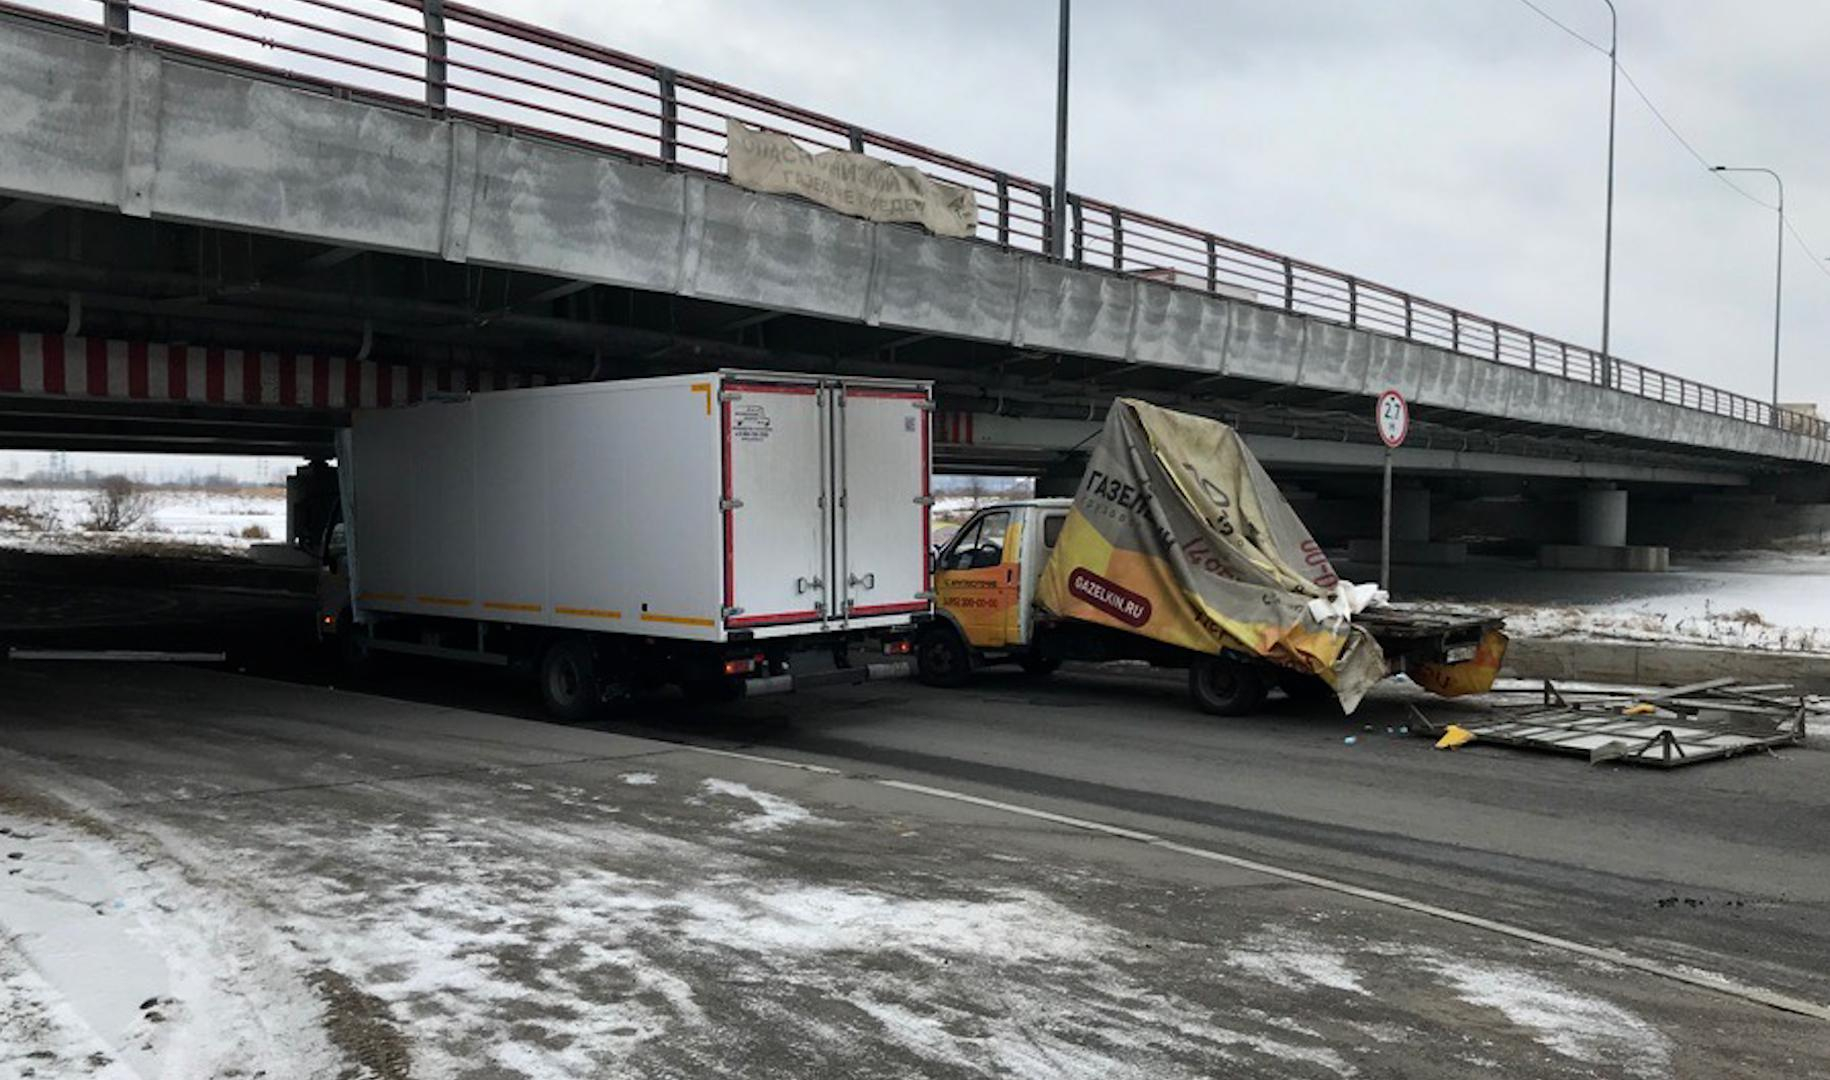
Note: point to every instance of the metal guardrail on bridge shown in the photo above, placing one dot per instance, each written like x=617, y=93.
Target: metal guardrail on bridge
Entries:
x=453, y=60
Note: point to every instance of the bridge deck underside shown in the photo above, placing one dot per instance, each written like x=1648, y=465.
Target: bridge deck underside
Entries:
x=66, y=270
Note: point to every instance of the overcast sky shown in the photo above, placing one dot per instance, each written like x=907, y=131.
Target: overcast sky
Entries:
x=1452, y=148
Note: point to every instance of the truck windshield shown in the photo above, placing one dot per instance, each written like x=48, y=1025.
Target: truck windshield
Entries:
x=980, y=544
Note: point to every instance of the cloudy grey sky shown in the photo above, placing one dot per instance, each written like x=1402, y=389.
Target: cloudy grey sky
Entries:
x=1454, y=148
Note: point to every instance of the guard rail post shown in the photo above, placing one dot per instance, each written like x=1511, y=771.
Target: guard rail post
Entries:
x=1118, y=240
x=1003, y=182
x=670, y=112
x=1289, y=285
x=436, y=69
x=1213, y=266
x=114, y=21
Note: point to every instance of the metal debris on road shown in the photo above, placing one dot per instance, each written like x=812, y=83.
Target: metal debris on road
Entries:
x=1677, y=726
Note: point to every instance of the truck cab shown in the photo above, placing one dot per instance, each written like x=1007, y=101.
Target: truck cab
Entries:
x=985, y=587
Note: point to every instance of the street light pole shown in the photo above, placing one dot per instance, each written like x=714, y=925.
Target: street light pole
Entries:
x=1607, y=248
x=1779, y=270
x=1058, y=234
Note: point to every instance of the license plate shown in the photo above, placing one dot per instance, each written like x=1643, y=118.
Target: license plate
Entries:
x=1459, y=653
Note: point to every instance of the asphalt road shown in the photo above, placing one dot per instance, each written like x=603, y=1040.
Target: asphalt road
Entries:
x=420, y=888
x=1724, y=865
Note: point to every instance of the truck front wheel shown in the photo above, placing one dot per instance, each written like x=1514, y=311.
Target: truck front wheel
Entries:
x=568, y=679
x=942, y=657
x=1225, y=686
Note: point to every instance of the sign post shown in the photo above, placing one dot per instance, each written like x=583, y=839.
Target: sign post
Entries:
x=1393, y=418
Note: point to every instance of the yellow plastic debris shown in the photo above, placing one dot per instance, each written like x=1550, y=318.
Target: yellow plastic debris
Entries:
x=1454, y=737
x=1639, y=710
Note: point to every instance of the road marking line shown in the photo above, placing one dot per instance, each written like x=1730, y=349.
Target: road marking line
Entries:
x=821, y=769
x=1706, y=980
x=1045, y=815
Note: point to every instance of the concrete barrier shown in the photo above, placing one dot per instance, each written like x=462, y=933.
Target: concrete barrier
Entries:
x=1656, y=664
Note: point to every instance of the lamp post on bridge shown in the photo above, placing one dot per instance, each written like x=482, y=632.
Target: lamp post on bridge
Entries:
x=1779, y=268
x=1607, y=247
x=1058, y=230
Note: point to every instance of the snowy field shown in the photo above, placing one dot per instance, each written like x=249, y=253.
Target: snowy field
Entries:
x=1766, y=600
x=54, y=519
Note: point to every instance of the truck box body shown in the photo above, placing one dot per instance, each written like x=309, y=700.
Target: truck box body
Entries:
x=711, y=507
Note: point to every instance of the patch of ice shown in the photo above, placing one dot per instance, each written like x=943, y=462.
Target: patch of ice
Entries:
x=637, y=779
x=1294, y=960
x=777, y=812
x=1572, y=1023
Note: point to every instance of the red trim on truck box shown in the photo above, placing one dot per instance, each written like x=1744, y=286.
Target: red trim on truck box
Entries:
x=869, y=392
x=810, y=615
x=769, y=388
x=730, y=558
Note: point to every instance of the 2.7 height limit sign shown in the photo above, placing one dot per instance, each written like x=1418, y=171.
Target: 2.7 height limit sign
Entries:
x=1392, y=416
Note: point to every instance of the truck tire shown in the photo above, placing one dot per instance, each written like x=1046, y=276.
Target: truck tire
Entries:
x=1225, y=686
x=942, y=657
x=568, y=679
x=1039, y=667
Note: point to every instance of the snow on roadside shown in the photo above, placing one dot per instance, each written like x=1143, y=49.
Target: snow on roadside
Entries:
x=1293, y=959
x=1767, y=601
x=1576, y=1025
x=110, y=959
x=776, y=812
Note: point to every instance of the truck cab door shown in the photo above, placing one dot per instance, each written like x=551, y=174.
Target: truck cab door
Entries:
x=1033, y=548
x=976, y=580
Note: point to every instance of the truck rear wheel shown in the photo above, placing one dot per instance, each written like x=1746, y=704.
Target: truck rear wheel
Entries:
x=942, y=657
x=568, y=679
x=1225, y=686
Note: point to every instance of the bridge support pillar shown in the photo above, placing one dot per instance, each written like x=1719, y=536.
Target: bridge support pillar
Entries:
x=1411, y=543
x=1601, y=517
x=1410, y=515
x=1601, y=538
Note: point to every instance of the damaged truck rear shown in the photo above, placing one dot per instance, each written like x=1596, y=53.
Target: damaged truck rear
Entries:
x=1178, y=550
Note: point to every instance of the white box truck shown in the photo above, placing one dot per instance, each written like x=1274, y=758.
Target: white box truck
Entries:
x=615, y=536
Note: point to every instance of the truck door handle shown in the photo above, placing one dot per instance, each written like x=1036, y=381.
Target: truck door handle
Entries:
x=804, y=584
x=868, y=581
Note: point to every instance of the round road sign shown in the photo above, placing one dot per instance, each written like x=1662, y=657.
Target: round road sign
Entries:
x=1393, y=417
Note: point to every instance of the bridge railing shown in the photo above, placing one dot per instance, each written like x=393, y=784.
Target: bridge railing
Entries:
x=451, y=59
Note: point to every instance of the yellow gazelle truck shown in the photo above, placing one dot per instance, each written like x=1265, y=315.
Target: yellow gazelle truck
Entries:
x=1177, y=549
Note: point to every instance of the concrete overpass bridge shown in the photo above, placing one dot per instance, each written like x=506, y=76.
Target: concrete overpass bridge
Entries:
x=245, y=221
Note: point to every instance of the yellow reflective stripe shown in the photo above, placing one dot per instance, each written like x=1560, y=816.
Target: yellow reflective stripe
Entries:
x=502, y=605
x=444, y=601
x=706, y=389
x=588, y=613
x=682, y=620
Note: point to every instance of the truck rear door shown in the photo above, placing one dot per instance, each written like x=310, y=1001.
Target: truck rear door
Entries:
x=881, y=528
x=777, y=447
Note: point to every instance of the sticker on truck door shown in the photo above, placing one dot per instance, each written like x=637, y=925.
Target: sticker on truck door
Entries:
x=750, y=421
